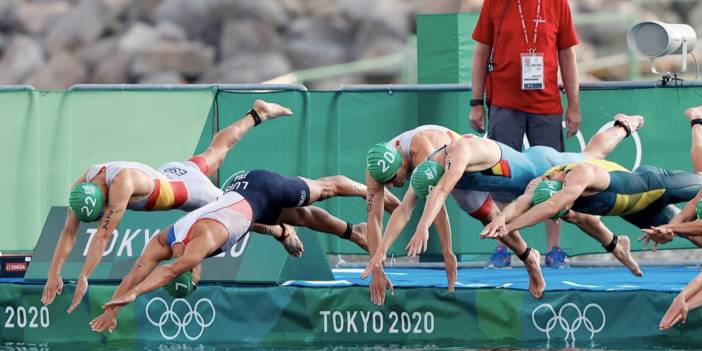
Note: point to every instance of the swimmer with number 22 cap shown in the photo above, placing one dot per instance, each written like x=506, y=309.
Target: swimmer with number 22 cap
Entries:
x=105, y=191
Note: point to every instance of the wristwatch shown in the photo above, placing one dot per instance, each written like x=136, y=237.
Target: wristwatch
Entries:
x=476, y=102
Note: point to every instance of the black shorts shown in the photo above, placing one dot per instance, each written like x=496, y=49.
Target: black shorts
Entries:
x=268, y=192
x=509, y=127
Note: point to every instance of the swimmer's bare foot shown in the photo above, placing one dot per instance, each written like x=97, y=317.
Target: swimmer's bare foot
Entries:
x=269, y=110
x=633, y=122
x=623, y=253
x=359, y=235
x=536, y=279
x=291, y=242
x=693, y=113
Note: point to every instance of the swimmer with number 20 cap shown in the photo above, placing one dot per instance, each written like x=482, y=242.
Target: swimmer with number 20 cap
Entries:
x=390, y=164
x=476, y=164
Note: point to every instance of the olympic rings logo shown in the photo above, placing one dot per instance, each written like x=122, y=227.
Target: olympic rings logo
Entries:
x=169, y=316
x=570, y=327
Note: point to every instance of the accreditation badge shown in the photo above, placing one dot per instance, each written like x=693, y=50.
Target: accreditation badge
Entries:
x=532, y=71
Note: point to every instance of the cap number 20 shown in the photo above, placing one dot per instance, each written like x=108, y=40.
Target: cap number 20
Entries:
x=388, y=156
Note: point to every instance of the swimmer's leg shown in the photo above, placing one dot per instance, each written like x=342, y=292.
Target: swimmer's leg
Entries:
x=529, y=256
x=695, y=114
x=670, y=215
x=481, y=207
x=620, y=247
x=328, y=187
x=210, y=160
x=602, y=144
x=320, y=220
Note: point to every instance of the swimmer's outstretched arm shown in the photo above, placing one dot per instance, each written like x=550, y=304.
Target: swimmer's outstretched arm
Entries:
x=574, y=186
x=375, y=202
x=680, y=308
x=443, y=227
x=689, y=298
x=54, y=282
x=691, y=231
x=418, y=242
x=693, y=228
x=694, y=300
x=522, y=204
x=685, y=224
x=155, y=251
x=689, y=211
x=457, y=161
x=374, y=207
x=497, y=228
x=67, y=238
x=398, y=220
x=120, y=192
x=194, y=254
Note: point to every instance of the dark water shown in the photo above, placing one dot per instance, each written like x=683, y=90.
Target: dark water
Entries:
x=638, y=344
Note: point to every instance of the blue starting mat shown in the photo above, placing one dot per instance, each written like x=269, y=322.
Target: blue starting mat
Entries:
x=659, y=278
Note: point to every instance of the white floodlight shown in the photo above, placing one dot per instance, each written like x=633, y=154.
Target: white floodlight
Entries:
x=654, y=39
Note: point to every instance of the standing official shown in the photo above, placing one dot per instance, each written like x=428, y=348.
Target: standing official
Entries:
x=520, y=46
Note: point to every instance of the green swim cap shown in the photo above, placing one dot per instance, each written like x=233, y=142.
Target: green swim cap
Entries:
x=425, y=177
x=698, y=209
x=86, y=201
x=544, y=191
x=383, y=161
x=181, y=286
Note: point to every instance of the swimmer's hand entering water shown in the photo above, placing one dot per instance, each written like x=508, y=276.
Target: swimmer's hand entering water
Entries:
x=376, y=262
x=677, y=312
x=123, y=300
x=379, y=282
x=53, y=287
x=107, y=321
x=78, y=293
x=451, y=265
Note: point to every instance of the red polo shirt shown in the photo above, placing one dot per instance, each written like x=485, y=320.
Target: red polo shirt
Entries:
x=503, y=85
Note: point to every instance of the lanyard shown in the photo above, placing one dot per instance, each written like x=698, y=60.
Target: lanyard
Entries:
x=536, y=25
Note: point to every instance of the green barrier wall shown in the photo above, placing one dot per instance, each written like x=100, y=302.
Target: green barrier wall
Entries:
x=19, y=135
x=448, y=60
x=51, y=137
x=304, y=317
